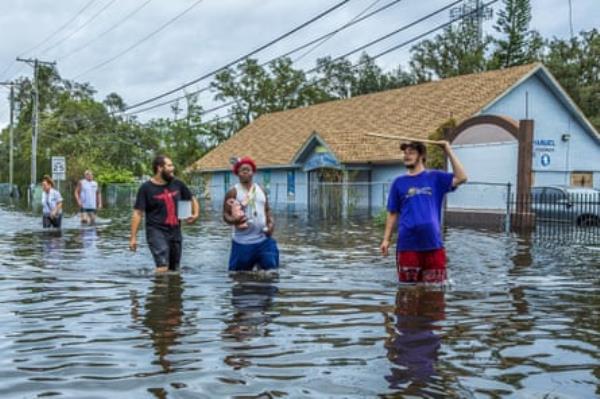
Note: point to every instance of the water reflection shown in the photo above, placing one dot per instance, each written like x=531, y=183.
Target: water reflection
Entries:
x=52, y=246
x=88, y=237
x=163, y=316
x=413, y=344
x=251, y=298
x=523, y=257
x=520, y=320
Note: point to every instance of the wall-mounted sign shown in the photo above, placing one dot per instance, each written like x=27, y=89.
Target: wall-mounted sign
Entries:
x=545, y=159
x=320, y=160
x=546, y=145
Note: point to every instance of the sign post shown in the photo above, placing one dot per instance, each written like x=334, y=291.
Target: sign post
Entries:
x=59, y=169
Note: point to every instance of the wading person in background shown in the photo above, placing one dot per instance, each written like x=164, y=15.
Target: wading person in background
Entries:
x=51, y=204
x=158, y=199
x=88, y=198
x=416, y=198
x=246, y=208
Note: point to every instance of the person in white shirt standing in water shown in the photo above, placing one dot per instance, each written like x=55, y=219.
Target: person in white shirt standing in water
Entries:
x=252, y=241
x=88, y=198
x=51, y=204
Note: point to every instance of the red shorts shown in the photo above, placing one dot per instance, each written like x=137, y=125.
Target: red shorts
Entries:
x=421, y=266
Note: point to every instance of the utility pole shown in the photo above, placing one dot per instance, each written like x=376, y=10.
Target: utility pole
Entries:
x=35, y=128
x=474, y=13
x=11, y=163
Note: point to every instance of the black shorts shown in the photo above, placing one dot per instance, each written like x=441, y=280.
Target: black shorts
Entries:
x=87, y=210
x=165, y=247
x=48, y=221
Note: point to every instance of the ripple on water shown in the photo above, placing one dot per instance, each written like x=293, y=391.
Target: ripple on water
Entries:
x=85, y=318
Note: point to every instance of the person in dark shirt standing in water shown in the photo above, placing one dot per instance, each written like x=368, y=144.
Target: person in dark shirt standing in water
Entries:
x=417, y=198
x=158, y=199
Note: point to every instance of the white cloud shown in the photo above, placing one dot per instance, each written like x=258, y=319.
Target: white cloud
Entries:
x=215, y=32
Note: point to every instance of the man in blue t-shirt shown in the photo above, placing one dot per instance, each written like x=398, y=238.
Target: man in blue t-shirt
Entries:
x=417, y=198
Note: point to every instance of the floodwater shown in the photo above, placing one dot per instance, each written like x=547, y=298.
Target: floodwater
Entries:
x=84, y=318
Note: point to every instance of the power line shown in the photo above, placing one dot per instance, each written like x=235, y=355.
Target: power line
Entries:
x=326, y=39
x=145, y=38
x=295, y=50
x=356, y=50
x=113, y=27
x=79, y=28
x=251, y=53
x=376, y=56
x=63, y=26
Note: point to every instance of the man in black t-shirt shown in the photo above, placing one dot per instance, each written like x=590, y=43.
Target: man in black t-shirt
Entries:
x=158, y=199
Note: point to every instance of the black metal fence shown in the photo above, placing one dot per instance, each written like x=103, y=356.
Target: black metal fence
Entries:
x=558, y=214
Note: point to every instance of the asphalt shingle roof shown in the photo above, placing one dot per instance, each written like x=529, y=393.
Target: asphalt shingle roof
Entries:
x=415, y=111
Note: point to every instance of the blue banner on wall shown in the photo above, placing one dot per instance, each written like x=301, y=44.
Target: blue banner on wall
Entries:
x=321, y=160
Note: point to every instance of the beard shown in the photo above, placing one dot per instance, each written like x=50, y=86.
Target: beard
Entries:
x=167, y=176
x=410, y=166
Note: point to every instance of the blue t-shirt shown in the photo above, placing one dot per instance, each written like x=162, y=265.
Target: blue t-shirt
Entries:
x=418, y=201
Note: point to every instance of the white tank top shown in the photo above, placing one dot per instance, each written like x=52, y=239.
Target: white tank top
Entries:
x=87, y=194
x=253, y=204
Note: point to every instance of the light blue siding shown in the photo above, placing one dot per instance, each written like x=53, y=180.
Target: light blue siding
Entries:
x=533, y=99
x=489, y=168
x=382, y=177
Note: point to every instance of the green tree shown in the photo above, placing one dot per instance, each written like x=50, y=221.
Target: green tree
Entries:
x=458, y=50
x=518, y=45
x=436, y=158
x=255, y=90
x=335, y=78
x=114, y=103
x=341, y=79
x=370, y=78
x=576, y=65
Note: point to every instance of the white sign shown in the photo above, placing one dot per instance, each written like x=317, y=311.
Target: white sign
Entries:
x=544, y=145
x=59, y=168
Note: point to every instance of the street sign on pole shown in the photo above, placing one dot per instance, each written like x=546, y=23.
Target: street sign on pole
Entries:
x=59, y=168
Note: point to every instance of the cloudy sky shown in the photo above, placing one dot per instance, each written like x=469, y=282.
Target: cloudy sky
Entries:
x=101, y=41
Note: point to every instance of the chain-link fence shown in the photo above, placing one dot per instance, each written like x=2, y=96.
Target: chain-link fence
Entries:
x=551, y=215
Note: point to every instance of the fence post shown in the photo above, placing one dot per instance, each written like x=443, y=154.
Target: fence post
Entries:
x=507, y=217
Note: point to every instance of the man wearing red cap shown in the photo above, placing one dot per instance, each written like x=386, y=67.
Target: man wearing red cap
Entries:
x=252, y=242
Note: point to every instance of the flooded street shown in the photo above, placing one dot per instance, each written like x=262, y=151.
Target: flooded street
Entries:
x=82, y=317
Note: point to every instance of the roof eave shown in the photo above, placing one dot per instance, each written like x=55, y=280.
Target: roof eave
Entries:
x=557, y=89
x=258, y=167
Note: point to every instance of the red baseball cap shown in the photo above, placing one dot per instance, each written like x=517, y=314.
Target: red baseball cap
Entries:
x=244, y=160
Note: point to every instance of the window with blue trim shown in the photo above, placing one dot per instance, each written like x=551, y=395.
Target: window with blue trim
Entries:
x=291, y=185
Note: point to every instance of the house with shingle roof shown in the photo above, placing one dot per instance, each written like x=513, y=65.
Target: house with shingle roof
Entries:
x=300, y=149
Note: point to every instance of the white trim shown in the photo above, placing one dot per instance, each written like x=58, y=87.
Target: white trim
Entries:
x=258, y=168
x=560, y=93
x=574, y=108
x=509, y=90
x=497, y=143
x=565, y=171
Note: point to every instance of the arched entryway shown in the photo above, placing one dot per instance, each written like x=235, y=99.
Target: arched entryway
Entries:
x=495, y=151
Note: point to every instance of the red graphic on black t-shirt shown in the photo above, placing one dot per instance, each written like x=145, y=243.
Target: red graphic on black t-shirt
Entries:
x=167, y=197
